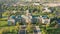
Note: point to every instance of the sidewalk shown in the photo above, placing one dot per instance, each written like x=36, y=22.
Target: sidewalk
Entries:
x=38, y=29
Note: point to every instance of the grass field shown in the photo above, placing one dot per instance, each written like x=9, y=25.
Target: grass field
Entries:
x=5, y=29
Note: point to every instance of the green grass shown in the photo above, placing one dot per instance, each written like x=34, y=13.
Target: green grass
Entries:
x=3, y=23
x=5, y=29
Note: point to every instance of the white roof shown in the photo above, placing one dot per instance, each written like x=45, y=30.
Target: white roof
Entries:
x=36, y=4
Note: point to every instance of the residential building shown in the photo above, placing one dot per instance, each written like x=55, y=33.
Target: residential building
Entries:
x=27, y=17
x=36, y=4
x=46, y=10
x=36, y=0
x=44, y=20
x=34, y=19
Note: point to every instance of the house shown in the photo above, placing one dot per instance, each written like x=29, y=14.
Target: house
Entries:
x=34, y=19
x=11, y=20
x=40, y=19
x=36, y=0
x=27, y=17
x=44, y=20
x=28, y=0
x=36, y=4
x=31, y=0
x=58, y=14
x=25, y=0
x=46, y=10
x=14, y=11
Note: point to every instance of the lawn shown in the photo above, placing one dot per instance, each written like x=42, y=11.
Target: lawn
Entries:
x=5, y=29
x=54, y=31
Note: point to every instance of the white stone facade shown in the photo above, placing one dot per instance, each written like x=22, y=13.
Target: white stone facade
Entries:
x=46, y=10
x=45, y=21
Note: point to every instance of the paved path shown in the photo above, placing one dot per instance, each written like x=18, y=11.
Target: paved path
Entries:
x=23, y=30
x=36, y=30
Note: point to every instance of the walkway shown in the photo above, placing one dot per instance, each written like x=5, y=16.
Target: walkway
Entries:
x=37, y=30
x=23, y=30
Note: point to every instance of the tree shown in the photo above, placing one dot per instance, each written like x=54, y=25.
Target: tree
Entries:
x=1, y=9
